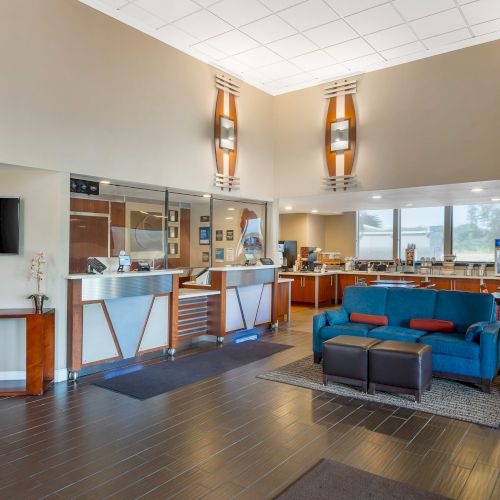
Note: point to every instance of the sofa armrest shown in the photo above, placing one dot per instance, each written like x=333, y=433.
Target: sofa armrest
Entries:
x=319, y=321
x=490, y=351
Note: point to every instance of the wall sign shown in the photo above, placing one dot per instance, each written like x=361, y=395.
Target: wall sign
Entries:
x=226, y=133
x=340, y=135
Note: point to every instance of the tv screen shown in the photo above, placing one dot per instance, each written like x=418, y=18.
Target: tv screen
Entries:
x=9, y=225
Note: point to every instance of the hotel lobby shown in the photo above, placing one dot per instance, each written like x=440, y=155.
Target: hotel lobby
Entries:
x=250, y=249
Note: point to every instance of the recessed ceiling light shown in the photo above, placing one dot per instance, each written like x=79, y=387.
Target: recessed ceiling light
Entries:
x=229, y=218
x=207, y=195
x=377, y=197
x=314, y=211
x=231, y=209
x=288, y=207
x=409, y=204
x=476, y=190
x=495, y=199
x=104, y=182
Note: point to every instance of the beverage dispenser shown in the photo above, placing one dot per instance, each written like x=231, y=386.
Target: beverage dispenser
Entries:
x=497, y=257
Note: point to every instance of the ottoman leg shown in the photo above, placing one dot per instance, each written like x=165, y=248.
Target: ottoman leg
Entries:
x=418, y=396
x=325, y=379
x=364, y=387
x=371, y=389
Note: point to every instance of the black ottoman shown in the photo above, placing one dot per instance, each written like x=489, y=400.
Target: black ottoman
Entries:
x=402, y=367
x=345, y=360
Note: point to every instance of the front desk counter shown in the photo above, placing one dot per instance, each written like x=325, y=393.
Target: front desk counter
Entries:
x=249, y=297
x=115, y=316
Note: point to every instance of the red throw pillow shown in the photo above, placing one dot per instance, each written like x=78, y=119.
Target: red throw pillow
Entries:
x=432, y=325
x=369, y=319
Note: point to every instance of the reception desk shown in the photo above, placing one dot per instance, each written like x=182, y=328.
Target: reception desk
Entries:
x=115, y=316
x=249, y=297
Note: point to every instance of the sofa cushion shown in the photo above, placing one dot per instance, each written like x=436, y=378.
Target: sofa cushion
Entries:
x=368, y=319
x=356, y=329
x=364, y=299
x=464, y=308
x=451, y=344
x=474, y=331
x=403, y=304
x=396, y=333
x=337, y=316
x=432, y=325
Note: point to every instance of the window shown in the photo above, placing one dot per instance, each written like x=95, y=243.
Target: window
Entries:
x=475, y=228
x=375, y=234
x=425, y=228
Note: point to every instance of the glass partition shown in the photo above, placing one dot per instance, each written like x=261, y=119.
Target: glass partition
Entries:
x=120, y=219
x=423, y=227
x=238, y=230
x=188, y=231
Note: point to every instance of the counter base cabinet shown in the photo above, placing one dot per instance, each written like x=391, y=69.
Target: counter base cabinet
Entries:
x=304, y=289
x=283, y=304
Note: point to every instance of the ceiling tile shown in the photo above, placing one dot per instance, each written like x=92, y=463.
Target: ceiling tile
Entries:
x=208, y=51
x=411, y=10
x=203, y=24
x=292, y=46
x=365, y=62
x=479, y=12
x=293, y=80
x=115, y=4
x=239, y=12
x=276, y=5
x=348, y=7
x=282, y=69
x=331, y=33
x=261, y=56
x=206, y=3
x=392, y=37
x=329, y=72
x=308, y=14
x=171, y=34
x=168, y=10
x=438, y=23
x=452, y=37
x=232, y=42
x=313, y=60
x=403, y=50
x=350, y=50
x=375, y=19
x=268, y=29
x=233, y=64
x=142, y=16
x=485, y=28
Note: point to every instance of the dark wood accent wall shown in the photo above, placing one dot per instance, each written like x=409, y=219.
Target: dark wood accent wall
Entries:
x=117, y=228
x=88, y=236
x=89, y=205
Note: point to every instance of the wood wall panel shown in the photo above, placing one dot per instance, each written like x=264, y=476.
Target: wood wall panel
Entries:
x=89, y=205
x=117, y=228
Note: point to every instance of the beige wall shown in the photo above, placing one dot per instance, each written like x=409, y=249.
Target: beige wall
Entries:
x=44, y=227
x=84, y=93
x=306, y=229
x=433, y=121
x=340, y=234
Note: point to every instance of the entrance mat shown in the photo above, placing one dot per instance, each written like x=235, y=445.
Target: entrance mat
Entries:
x=447, y=397
x=171, y=374
x=329, y=480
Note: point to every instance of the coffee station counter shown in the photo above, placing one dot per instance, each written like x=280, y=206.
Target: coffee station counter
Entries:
x=324, y=288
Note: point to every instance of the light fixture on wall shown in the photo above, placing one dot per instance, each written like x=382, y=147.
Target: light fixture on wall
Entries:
x=339, y=135
x=231, y=209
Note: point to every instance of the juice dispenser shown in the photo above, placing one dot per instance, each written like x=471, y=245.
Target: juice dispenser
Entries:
x=497, y=257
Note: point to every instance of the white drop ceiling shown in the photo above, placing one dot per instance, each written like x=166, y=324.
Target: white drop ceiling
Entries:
x=284, y=45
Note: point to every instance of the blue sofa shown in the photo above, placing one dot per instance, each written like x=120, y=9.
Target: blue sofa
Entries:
x=474, y=360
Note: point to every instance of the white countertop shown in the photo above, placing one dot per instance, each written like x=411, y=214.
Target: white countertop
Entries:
x=242, y=268
x=123, y=275
x=185, y=293
x=388, y=274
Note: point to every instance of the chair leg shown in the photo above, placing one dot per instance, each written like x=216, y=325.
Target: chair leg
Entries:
x=317, y=358
x=486, y=385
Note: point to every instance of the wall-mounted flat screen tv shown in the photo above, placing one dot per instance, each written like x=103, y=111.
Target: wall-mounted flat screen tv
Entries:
x=9, y=225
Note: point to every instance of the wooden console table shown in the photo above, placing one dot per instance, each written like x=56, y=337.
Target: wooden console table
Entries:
x=39, y=350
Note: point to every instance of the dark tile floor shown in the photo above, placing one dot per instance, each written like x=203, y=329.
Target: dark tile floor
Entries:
x=233, y=436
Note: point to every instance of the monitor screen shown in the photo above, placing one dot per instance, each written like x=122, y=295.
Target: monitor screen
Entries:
x=9, y=225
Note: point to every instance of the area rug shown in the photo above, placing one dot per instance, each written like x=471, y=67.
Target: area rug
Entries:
x=329, y=480
x=171, y=374
x=447, y=397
